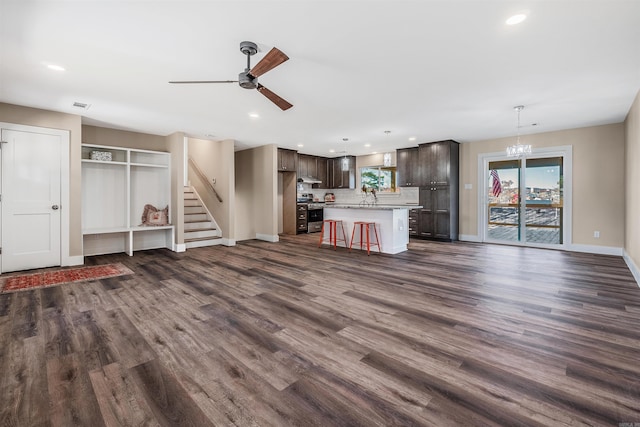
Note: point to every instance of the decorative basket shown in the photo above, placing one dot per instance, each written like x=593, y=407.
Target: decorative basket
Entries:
x=104, y=156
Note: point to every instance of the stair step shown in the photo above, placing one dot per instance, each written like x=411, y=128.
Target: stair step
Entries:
x=194, y=210
x=195, y=225
x=198, y=239
x=195, y=217
x=201, y=229
x=206, y=233
x=198, y=243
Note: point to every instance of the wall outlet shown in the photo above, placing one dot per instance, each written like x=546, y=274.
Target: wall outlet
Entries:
x=468, y=186
x=596, y=234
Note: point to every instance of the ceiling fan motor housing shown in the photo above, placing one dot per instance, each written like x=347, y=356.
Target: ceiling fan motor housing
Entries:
x=247, y=81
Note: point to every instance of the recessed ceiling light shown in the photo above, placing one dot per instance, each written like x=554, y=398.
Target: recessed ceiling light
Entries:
x=367, y=145
x=254, y=115
x=413, y=138
x=516, y=19
x=55, y=67
x=332, y=151
x=374, y=152
x=300, y=145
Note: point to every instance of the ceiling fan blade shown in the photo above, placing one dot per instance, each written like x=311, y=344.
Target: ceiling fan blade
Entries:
x=202, y=81
x=271, y=60
x=284, y=105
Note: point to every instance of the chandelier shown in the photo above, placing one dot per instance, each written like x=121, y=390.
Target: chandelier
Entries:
x=518, y=150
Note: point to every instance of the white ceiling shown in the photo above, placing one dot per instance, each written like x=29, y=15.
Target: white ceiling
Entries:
x=426, y=69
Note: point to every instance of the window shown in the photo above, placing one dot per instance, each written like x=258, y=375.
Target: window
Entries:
x=380, y=178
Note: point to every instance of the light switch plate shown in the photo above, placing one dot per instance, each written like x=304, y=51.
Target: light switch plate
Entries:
x=468, y=186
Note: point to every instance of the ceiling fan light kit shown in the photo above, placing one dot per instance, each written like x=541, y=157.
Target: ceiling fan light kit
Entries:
x=248, y=79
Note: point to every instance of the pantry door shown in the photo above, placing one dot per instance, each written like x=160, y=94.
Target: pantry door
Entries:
x=31, y=197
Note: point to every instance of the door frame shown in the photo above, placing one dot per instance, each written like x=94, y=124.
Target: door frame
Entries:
x=564, y=151
x=65, y=205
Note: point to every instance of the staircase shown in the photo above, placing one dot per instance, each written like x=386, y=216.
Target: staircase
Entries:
x=200, y=229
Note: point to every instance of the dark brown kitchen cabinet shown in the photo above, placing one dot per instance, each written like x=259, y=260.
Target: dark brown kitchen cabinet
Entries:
x=314, y=167
x=414, y=215
x=287, y=160
x=439, y=164
x=339, y=178
x=408, y=167
x=307, y=166
x=301, y=218
x=437, y=218
x=322, y=172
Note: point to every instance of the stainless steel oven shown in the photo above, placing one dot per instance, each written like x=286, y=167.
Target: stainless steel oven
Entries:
x=315, y=215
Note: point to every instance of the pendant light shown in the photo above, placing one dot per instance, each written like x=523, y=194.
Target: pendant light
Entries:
x=345, y=159
x=386, y=157
x=518, y=150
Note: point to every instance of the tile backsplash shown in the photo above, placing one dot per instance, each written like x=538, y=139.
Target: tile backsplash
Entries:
x=403, y=195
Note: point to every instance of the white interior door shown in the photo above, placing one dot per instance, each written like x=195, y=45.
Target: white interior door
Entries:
x=31, y=200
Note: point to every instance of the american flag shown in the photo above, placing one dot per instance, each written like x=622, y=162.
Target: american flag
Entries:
x=496, y=187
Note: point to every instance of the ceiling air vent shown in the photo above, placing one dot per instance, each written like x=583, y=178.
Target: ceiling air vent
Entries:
x=81, y=105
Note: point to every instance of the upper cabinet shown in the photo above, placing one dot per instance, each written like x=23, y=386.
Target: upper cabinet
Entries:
x=408, y=167
x=438, y=162
x=287, y=160
x=314, y=167
x=328, y=171
x=339, y=178
x=323, y=174
x=307, y=166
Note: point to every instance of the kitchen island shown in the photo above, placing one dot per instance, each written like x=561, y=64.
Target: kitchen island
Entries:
x=392, y=222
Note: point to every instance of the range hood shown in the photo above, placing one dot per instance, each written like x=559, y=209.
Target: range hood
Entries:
x=309, y=180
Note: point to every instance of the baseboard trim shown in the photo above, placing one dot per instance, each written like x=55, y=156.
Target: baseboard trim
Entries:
x=632, y=266
x=228, y=242
x=73, y=260
x=592, y=249
x=273, y=238
x=179, y=247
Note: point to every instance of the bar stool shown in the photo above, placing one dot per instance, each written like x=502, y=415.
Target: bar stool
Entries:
x=365, y=226
x=333, y=233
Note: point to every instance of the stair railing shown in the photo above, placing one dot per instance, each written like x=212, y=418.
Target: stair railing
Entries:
x=204, y=178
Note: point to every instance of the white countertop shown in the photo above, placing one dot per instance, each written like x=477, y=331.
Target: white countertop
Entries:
x=372, y=207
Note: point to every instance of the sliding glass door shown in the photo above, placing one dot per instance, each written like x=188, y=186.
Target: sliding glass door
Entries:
x=525, y=201
x=504, y=222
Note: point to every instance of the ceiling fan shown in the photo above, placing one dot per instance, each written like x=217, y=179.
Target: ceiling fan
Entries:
x=248, y=79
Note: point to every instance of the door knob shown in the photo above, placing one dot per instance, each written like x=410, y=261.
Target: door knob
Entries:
x=55, y=207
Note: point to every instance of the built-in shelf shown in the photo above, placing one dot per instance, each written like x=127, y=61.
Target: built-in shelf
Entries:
x=114, y=193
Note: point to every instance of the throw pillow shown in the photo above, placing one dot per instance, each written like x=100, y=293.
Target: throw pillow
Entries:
x=154, y=216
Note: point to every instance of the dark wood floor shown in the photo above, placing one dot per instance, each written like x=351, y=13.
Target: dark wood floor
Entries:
x=290, y=334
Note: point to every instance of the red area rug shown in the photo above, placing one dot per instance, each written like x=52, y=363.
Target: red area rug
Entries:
x=56, y=277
